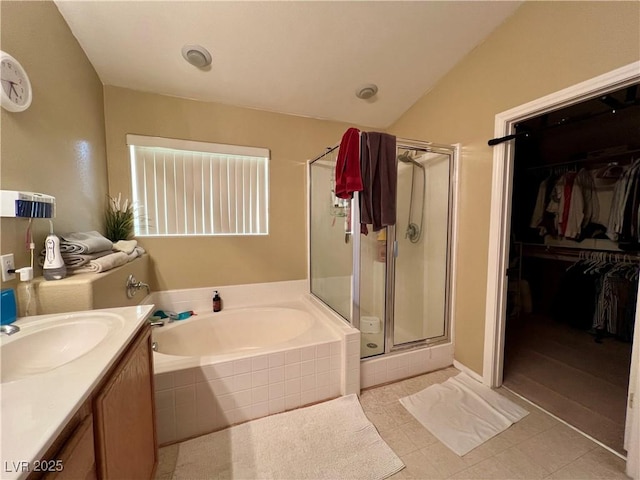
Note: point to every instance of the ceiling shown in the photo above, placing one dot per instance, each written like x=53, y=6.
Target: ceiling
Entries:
x=299, y=57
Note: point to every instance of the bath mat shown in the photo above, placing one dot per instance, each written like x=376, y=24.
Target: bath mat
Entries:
x=331, y=440
x=462, y=413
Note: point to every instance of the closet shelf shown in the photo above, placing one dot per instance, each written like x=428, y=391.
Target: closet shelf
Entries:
x=596, y=160
x=571, y=254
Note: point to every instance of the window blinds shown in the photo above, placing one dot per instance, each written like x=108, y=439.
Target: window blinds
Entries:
x=198, y=192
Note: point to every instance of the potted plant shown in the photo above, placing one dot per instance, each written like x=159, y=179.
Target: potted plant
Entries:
x=119, y=219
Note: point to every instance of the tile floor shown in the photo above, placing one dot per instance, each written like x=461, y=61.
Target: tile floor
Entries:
x=536, y=447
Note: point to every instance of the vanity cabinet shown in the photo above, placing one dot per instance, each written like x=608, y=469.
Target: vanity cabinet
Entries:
x=113, y=434
x=124, y=416
x=78, y=455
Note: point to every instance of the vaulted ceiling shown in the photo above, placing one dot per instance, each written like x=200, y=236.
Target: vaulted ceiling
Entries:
x=299, y=57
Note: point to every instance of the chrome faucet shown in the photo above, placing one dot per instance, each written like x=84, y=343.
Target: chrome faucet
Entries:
x=9, y=329
x=134, y=285
x=156, y=323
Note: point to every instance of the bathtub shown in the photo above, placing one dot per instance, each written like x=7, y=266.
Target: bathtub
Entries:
x=219, y=369
x=236, y=333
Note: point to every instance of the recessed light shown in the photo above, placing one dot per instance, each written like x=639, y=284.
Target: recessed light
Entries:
x=366, y=91
x=196, y=55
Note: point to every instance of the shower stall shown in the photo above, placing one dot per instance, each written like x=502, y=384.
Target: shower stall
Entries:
x=394, y=284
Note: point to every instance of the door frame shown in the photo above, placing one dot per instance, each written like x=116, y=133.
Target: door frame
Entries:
x=453, y=152
x=502, y=186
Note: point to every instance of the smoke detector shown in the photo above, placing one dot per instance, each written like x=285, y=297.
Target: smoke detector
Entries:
x=367, y=91
x=196, y=55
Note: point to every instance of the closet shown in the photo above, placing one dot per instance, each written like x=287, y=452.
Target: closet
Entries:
x=574, y=261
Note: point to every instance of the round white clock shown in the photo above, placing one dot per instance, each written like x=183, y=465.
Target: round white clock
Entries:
x=15, y=91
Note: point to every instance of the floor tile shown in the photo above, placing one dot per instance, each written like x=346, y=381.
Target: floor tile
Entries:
x=383, y=421
x=167, y=458
x=531, y=425
x=420, y=436
x=595, y=464
x=521, y=465
x=536, y=447
x=488, y=468
x=444, y=460
x=418, y=466
x=556, y=447
x=399, y=442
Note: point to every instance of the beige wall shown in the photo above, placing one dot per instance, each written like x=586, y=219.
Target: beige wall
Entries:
x=185, y=262
x=544, y=47
x=57, y=146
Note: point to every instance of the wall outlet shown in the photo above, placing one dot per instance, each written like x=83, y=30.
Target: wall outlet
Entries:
x=7, y=264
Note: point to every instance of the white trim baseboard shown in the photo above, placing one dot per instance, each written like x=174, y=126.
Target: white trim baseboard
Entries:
x=468, y=371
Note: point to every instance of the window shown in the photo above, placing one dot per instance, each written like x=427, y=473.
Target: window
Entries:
x=196, y=188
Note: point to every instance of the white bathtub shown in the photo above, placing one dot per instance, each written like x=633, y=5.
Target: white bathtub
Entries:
x=218, y=369
x=242, y=331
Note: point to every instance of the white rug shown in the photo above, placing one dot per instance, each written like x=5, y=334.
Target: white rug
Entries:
x=331, y=440
x=462, y=413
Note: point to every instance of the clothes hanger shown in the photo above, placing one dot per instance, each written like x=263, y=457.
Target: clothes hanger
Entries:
x=611, y=171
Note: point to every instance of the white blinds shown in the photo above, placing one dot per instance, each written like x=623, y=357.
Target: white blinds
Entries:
x=183, y=192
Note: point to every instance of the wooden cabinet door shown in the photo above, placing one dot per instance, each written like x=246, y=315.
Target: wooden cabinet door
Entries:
x=124, y=415
x=77, y=458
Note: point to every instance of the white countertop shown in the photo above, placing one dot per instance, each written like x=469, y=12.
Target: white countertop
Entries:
x=35, y=409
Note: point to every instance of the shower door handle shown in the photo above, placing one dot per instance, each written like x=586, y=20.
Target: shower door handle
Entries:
x=395, y=248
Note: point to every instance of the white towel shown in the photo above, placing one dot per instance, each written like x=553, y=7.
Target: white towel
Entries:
x=84, y=242
x=103, y=264
x=75, y=260
x=462, y=413
x=137, y=252
x=126, y=246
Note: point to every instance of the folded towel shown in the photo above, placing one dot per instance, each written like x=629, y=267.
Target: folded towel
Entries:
x=84, y=242
x=76, y=259
x=137, y=252
x=126, y=246
x=103, y=264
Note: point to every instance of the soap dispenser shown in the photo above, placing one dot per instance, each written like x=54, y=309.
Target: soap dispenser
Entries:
x=217, y=302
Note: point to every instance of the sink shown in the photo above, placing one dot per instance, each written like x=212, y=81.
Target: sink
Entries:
x=54, y=342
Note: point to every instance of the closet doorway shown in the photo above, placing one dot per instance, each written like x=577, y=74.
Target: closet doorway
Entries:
x=531, y=327
x=574, y=261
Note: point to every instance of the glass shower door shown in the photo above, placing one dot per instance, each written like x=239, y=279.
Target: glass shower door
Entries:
x=420, y=249
x=331, y=248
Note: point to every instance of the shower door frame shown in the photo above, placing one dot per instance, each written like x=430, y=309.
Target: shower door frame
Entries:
x=392, y=251
x=354, y=307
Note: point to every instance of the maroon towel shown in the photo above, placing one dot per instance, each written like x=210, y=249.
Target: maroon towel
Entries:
x=379, y=178
x=348, y=179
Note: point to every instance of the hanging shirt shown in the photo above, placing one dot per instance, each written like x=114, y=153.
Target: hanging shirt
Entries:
x=538, y=211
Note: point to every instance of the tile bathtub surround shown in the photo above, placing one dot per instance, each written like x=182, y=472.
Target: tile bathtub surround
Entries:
x=199, y=400
x=536, y=447
x=233, y=296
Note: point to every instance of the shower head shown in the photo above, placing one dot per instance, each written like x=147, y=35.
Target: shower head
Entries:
x=407, y=158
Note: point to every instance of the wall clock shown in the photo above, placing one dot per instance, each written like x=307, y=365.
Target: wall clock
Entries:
x=15, y=91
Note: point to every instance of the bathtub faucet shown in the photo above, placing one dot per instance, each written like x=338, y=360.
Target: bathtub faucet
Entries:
x=156, y=323
x=134, y=285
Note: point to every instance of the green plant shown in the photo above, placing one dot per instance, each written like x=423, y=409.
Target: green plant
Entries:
x=119, y=219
